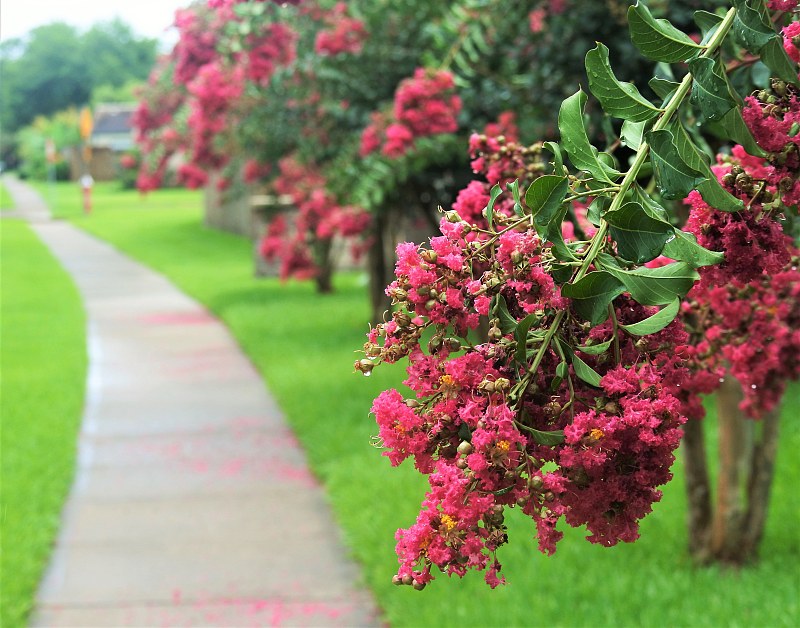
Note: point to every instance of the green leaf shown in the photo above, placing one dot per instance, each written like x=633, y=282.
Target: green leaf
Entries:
x=711, y=92
x=585, y=372
x=514, y=189
x=675, y=178
x=707, y=22
x=576, y=141
x=656, y=322
x=752, y=26
x=639, y=237
x=655, y=286
x=653, y=209
x=736, y=129
x=551, y=232
x=774, y=56
x=558, y=158
x=662, y=87
x=632, y=133
x=753, y=29
x=684, y=248
x=549, y=439
x=544, y=197
x=595, y=349
x=592, y=294
x=562, y=371
x=493, y=194
x=507, y=323
x=618, y=99
x=711, y=189
x=521, y=336
x=658, y=39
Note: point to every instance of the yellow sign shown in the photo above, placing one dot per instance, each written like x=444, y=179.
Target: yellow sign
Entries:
x=86, y=123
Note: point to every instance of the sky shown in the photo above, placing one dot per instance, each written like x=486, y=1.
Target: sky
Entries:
x=147, y=18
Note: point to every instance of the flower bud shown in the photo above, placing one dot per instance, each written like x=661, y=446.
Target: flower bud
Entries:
x=365, y=366
x=402, y=319
x=397, y=580
x=495, y=334
x=779, y=87
x=536, y=482
x=412, y=403
x=612, y=407
x=407, y=580
x=429, y=256
x=454, y=344
x=516, y=257
x=452, y=216
x=486, y=386
x=501, y=384
x=465, y=448
x=430, y=304
x=418, y=586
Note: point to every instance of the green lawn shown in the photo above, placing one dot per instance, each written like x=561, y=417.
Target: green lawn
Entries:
x=304, y=345
x=43, y=370
x=6, y=202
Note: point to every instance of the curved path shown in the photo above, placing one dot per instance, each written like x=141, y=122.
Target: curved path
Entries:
x=192, y=503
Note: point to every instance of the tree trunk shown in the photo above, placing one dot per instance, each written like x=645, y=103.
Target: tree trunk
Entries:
x=322, y=258
x=380, y=266
x=698, y=488
x=731, y=532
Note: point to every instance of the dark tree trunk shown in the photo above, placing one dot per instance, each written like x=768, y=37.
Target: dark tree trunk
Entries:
x=698, y=488
x=380, y=263
x=322, y=250
x=730, y=532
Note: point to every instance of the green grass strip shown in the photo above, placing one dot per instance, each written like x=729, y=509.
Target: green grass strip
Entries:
x=43, y=369
x=304, y=345
x=6, y=202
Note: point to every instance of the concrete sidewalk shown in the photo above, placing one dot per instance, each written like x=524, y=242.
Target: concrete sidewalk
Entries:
x=193, y=504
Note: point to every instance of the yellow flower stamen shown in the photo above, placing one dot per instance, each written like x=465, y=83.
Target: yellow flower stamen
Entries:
x=448, y=523
x=503, y=446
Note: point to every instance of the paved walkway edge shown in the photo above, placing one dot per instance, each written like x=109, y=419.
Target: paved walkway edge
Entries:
x=193, y=504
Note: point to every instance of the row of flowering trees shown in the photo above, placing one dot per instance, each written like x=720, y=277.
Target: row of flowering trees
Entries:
x=582, y=294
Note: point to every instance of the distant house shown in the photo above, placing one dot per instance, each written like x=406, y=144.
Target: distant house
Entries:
x=112, y=127
x=112, y=135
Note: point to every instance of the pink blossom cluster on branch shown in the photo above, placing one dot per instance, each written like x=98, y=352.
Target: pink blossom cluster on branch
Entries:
x=425, y=104
x=319, y=218
x=342, y=35
x=493, y=431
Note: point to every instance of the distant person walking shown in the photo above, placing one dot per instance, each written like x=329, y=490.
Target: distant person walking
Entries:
x=86, y=185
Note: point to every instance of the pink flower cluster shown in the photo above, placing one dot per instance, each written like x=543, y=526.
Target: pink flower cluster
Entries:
x=423, y=105
x=498, y=156
x=197, y=43
x=538, y=17
x=214, y=92
x=319, y=218
x=482, y=426
x=268, y=50
x=745, y=312
x=343, y=35
x=253, y=171
x=791, y=41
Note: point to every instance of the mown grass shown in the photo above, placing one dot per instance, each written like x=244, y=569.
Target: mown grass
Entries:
x=6, y=202
x=43, y=370
x=304, y=345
